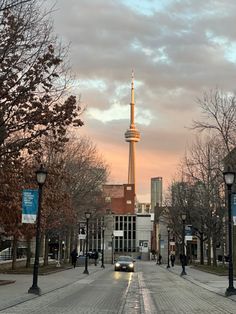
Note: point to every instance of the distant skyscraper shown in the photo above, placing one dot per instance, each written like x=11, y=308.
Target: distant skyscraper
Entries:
x=156, y=192
x=132, y=136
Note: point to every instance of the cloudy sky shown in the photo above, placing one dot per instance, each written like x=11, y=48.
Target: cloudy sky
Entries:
x=177, y=48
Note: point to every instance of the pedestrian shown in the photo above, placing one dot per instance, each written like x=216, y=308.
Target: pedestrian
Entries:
x=74, y=256
x=95, y=257
x=159, y=259
x=172, y=259
x=183, y=260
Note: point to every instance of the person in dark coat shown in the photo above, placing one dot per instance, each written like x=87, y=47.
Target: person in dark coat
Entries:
x=74, y=256
x=183, y=260
x=159, y=259
x=95, y=258
x=172, y=259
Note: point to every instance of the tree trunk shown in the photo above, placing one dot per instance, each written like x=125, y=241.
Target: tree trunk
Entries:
x=214, y=250
x=14, y=252
x=67, y=246
x=28, y=257
x=45, y=260
x=201, y=249
x=209, y=251
x=71, y=240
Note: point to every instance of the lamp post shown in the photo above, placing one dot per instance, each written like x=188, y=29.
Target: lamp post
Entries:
x=112, y=248
x=87, y=216
x=41, y=175
x=229, y=177
x=183, y=259
x=103, y=229
x=168, y=246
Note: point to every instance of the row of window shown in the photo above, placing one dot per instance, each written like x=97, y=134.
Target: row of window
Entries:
x=127, y=243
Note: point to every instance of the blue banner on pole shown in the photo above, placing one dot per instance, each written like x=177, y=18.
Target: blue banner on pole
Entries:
x=233, y=207
x=188, y=230
x=29, y=206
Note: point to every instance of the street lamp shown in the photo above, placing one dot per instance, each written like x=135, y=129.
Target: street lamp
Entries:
x=112, y=248
x=229, y=177
x=168, y=246
x=183, y=259
x=103, y=229
x=87, y=216
x=41, y=175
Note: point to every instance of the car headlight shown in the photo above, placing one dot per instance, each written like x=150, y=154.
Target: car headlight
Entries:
x=131, y=265
x=117, y=264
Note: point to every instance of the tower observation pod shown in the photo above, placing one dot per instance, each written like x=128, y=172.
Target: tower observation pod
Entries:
x=132, y=136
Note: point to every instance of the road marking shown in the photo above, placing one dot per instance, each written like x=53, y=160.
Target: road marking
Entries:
x=148, y=305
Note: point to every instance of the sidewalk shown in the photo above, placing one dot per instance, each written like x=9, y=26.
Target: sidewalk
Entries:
x=211, y=282
x=17, y=291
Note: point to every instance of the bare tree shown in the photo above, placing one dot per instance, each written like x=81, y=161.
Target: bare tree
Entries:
x=8, y=4
x=34, y=98
x=203, y=164
x=219, y=116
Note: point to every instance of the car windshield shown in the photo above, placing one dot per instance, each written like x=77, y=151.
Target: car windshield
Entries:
x=125, y=258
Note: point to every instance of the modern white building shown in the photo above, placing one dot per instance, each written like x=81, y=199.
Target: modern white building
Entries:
x=144, y=227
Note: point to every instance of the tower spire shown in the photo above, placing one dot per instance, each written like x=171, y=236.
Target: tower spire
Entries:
x=132, y=136
x=132, y=125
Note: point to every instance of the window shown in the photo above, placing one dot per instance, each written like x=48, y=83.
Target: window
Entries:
x=128, y=202
x=129, y=188
x=107, y=199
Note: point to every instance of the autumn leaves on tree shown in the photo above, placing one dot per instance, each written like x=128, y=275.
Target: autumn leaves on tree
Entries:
x=36, y=113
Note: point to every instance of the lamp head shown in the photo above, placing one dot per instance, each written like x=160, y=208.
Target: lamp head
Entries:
x=41, y=175
x=87, y=215
x=229, y=177
x=183, y=216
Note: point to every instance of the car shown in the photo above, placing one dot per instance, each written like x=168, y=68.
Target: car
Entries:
x=124, y=263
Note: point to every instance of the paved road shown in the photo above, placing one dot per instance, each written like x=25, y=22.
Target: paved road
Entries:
x=170, y=293
x=151, y=289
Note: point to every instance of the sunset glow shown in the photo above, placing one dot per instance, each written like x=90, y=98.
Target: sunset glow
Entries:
x=178, y=50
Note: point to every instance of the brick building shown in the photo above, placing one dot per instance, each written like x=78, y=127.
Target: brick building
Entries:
x=119, y=198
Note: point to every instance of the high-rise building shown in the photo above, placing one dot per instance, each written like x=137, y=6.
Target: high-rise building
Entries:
x=132, y=136
x=156, y=192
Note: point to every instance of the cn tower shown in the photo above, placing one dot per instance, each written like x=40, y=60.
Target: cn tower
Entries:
x=132, y=136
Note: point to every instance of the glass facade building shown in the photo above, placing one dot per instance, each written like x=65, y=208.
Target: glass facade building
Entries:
x=156, y=192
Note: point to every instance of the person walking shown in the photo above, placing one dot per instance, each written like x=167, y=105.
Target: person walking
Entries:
x=183, y=260
x=172, y=259
x=159, y=259
x=74, y=256
x=95, y=258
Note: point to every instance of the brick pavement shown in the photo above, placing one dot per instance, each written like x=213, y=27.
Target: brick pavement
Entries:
x=86, y=295
x=151, y=289
x=174, y=294
x=17, y=292
x=211, y=282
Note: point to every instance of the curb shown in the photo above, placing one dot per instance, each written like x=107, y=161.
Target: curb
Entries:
x=6, y=282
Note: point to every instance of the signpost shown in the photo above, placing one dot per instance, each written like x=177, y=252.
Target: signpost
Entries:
x=234, y=208
x=118, y=233
x=188, y=233
x=29, y=206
